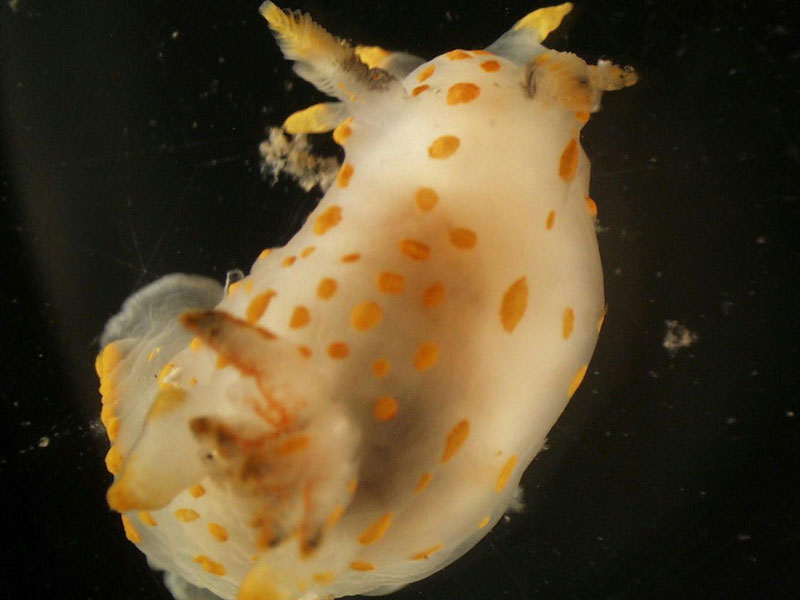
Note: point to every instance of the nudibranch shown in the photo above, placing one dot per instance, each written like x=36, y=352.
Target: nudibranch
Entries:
x=357, y=412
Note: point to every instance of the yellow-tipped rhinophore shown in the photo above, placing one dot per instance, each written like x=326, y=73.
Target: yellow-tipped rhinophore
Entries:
x=544, y=20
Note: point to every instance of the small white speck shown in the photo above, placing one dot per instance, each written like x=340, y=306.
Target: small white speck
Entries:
x=176, y=34
x=730, y=421
x=761, y=240
x=789, y=413
x=743, y=537
x=44, y=442
x=676, y=337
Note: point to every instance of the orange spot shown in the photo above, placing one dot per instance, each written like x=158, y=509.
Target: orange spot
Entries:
x=345, y=173
x=490, y=66
x=294, y=444
x=576, y=381
x=264, y=253
x=334, y=517
x=352, y=486
x=463, y=238
x=376, y=530
x=218, y=532
x=514, y=303
x=427, y=355
x=427, y=553
x=482, y=52
x=233, y=287
x=288, y=261
x=186, y=515
x=360, y=565
x=112, y=428
x=366, y=315
x=419, y=89
x=568, y=322
x=381, y=367
x=455, y=439
x=457, y=55
x=434, y=295
x=484, y=522
x=130, y=530
x=343, y=131
x=248, y=285
x=326, y=288
x=328, y=219
x=551, y=220
x=505, y=474
x=426, y=198
x=461, y=93
x=582, y=116
x=415, y=249
x=210, y=566
x=308, y=251
x=425, y=73
x=114, y=461
x=325, y=578
x=352, y=257
x=193, y=380
x=591, y=207
x=338, y=350
x=391, y=283
x=444, y=146
x=305, y=351
x=197, y=491
x=195, y=344
x=222, y=362
x=146, y=518
x=300, y=317
x=385, y=408
x=569, y=161
x=163, y=374
x=423, y=482
x=258, y=306
x=601, y=319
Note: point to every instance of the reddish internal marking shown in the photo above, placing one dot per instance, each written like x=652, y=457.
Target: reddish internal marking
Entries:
x=376, y=530
x=258, y=306
x=427, y=355
x=463, y=238
x=146, y=518
x=576, y=381
x=551, y=220
x=425, y=73
x=186, y=515
x=457, y=55
x=444, y=146
x=130, y=530
x=419, y=89
x=288, y=261
x=210, y=566
x=568, y=322
x=427, y=553
x=381, y=367
x=326, y=288
x=505, y=474
x=344, y=176
x=423, y=482
x=385, y=408
x=569, y=161
x=360, y=565
x=426, y=198
x=366, y=315
x=391, y=283
x=514, y=304
x=433, y=296
x=329, y=218
x=218, y=532
x=197, y=491
x=415, y=249
x=461, y=93
x=455, y=439
x=338, y=350
x=490, y=66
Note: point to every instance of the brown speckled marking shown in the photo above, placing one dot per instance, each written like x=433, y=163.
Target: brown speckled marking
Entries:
x=490, y=66
x=329, y=218
x=385, y=408
x=444, y=146
x=461, y=93
x=505, y=474
x=568, y=322
x=344, y=176
x=391, y=283
x=258, y=306
x=455, y=439
x=514, y=304
x=426, y=198
x=338, y=350
x=376, y=530
x=326, y=288
x=427, y=553
x=425, y=73
x=366, y=315
x=551, y=220
x=569, y=161
x=300, y=317
x=463, y=238
x=427, y=355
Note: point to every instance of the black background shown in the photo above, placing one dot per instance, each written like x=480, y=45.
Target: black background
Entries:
x=130, y=134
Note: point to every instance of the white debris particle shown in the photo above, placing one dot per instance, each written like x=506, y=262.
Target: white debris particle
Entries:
x=175, y=34
x=293, y=156
x=789, y=413
x=676, y=337
x=44, y=442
